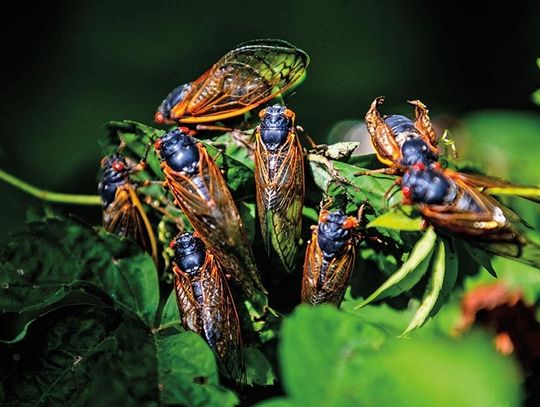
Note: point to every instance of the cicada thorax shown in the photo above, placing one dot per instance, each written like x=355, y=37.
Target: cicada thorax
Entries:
x=329, y=260
x=279, y=178
x=398, y=141
x=244, y=78
x=200, y=191
x=449, y=202
x=205, y=302
x=123, y=213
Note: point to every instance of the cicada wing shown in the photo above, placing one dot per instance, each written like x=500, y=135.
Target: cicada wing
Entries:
x=220, y=321
x=244, y=78
x=338, y=274
x=126, y=217
x=470, y=183
x=488, y=182
x=383, y=140
x=423, y=124
x=478, y=218
x=312, y=265
x=207, y=203
x=325, y=282
x=186, y=301
x=280, y=197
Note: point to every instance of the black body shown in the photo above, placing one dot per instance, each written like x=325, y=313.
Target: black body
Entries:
x=275, y=127
x=428, y=186
x=189, y=253
x=180, y=152
x=172, y=99
x=414, y=150
x=111, y=179
x=331, y=236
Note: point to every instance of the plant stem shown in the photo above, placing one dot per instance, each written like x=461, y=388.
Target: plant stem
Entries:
x=48, y=195
x=520, y=191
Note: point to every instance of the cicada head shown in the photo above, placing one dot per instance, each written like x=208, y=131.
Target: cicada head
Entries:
x=114, y=172
x=189, y=252
x=276, y=123
x=163, y=114
x=334, y=232
x=428, y=186
x=179, y=150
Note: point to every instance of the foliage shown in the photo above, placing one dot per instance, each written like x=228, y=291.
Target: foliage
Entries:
x=90, y=320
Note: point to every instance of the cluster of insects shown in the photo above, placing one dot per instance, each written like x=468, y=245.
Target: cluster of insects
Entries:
x=217, y=252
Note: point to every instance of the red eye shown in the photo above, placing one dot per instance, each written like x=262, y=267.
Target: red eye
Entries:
x=324, y=216
x=406, y=192
x=158, y=143
x=118, y=166
x=436, y=166
x=350, y=223
x=172, y=244
x=159, y=118
x=419, y=166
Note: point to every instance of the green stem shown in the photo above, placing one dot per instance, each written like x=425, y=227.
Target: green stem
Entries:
x=48, y=195
x=521, y=191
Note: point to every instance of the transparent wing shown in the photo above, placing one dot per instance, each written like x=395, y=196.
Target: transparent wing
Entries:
x=126, y=217
x=207, y=203
x=280, y=196
x=244, y=78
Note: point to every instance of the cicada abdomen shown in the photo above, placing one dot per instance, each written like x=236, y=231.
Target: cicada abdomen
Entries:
x=199, y=189
x=123, y=213
x=205, y=302
x=279, y=178
x=329, y=258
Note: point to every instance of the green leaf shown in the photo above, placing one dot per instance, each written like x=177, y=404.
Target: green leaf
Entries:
x=188, y=372
x=310, y=213
x=249, y=218
x=238, y=175
x=397, y=220
x=336, y=179
x=321, y=368
x=409, y=273
x=346, y=361
x=134, y=286
x=88, y=355
x=451, y=261
x=277, y=402
x=237, y=145
x=433, y=291
x=481, y=257
x=170, y=314
x=39, y=268
x=258, y=368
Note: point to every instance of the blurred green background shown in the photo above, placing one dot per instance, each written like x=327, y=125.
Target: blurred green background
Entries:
x=71, y=66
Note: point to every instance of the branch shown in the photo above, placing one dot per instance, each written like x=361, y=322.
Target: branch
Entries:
x=48, y=195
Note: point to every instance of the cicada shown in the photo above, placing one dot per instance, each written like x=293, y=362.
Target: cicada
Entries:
x=246, y=77
x=123, y=212
x=398, y=141
x=205, y=302
x=330, y=257
x=279, y=178
x=200, y=191
x=455, y=202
